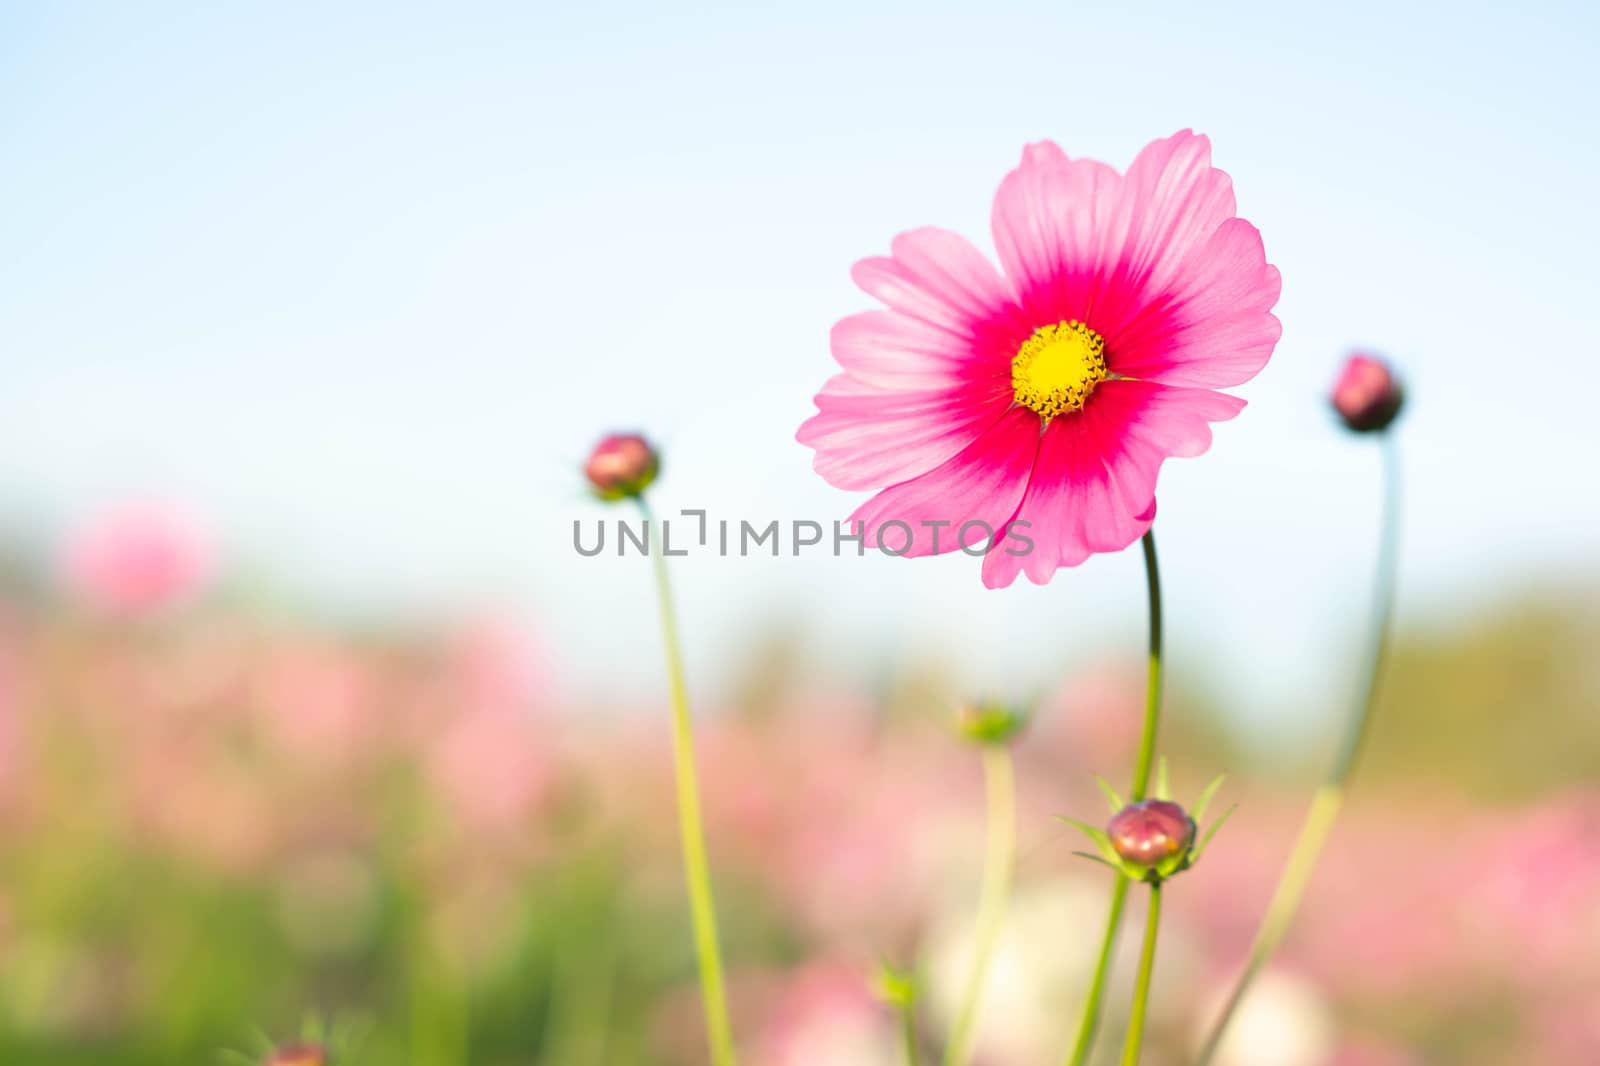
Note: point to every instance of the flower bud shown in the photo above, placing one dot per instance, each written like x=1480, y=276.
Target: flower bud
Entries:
x=622, y=465
x=1367, y=396
x=1151, y=833
x=300, y=1054
x=895, y=987
x=989, y=723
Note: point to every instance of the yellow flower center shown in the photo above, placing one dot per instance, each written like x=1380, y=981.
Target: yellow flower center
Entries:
x=1055, y=369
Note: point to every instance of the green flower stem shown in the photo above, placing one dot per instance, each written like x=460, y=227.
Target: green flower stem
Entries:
x=1000, y=859
x=691, y=829
x=1152, y=699
x=1089, y=1024
x=1141, y=990
x=1330, y=796
x=908, y=1033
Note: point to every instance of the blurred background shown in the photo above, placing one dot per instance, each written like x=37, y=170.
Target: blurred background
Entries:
x=309, y=708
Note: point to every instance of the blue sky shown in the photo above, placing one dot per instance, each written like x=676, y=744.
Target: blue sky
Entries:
x=362, y=284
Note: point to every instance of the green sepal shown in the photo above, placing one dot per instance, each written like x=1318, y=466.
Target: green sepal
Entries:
x=1172, y=864
x=1110, y=794
x=1101, y=839
x=1131, y=870
x=1205, y=840
x=1200, y=805
x=1096, y=858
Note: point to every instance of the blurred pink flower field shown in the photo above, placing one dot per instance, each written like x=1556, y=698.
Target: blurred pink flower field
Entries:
x=214, y=822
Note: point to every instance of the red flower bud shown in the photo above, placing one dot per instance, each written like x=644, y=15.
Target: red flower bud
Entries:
x=622, y=465
x=1151, y=832
x=303, y=1054
x=1367, y=395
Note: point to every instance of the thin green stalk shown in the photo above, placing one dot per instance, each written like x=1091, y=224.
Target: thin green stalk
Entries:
x=1089, y=1023
x=1089, y=1026
x=1152, y=699
x=908, y=1033
x=1141, y=990
x=691, y=829
x=1000, y=860
x=1330, y=796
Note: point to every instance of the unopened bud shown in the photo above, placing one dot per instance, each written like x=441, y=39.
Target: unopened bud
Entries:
x=1151, y=833
x=301, y=1054
x=989, y=723
x=622, y=465
x=895, y=987
x=1367, y=395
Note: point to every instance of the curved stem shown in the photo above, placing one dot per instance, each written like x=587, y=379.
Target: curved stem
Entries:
x=691, y=830
x=1141, y=990
x=1330, y=796
x=1382, y=622
x=1000, y=858
x=1089, y=1023
x=1152, y=698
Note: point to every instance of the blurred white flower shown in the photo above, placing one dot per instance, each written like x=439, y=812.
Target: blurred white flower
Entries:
x=1284, y=1021
x=858, y=1039
x=1040, y=968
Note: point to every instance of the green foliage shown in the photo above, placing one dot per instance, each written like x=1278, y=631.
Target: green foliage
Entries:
x=1503, y=707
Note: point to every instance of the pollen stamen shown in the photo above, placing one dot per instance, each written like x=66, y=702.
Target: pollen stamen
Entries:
x=1055, y=369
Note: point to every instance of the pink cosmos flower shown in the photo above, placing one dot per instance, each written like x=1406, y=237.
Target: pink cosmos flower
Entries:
x=1042, y=401
x=138, y=558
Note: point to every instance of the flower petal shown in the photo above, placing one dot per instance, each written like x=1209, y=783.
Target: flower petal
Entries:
x=1049, y=222
x=938, y=277
x=867, y=436
x=1215, y=328
x=895, y=351
x=1154, y=260
x=924, y=379
x=1172, y=201
x=981, y=484
x=1094, y=481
